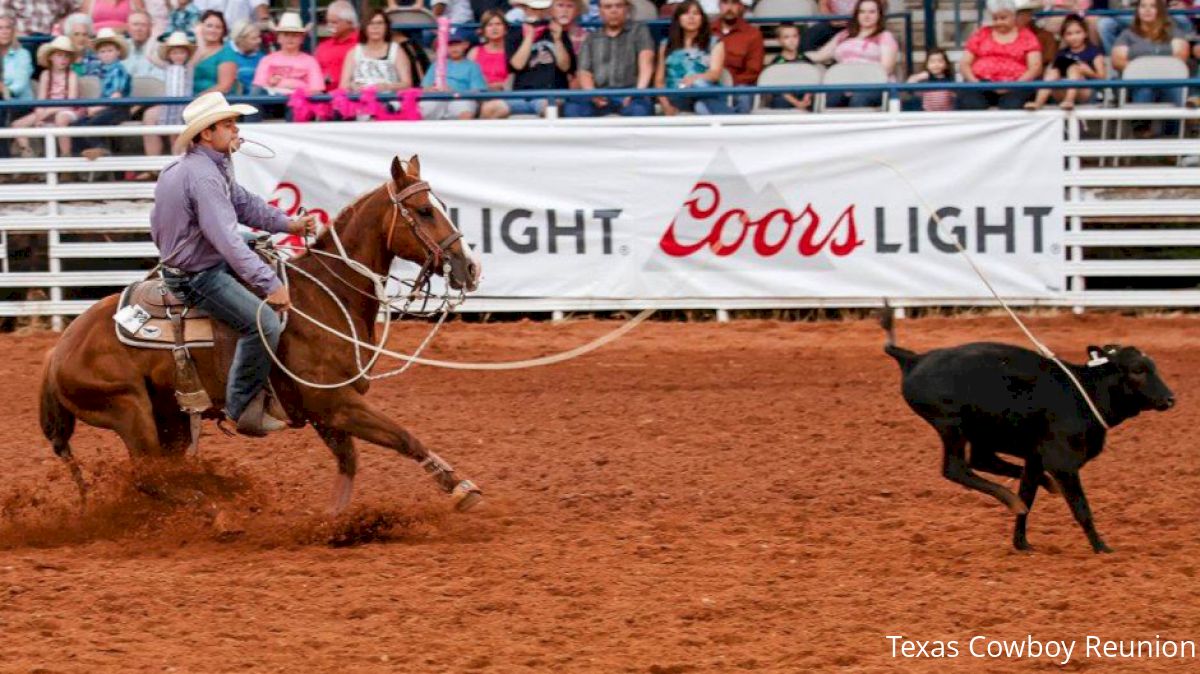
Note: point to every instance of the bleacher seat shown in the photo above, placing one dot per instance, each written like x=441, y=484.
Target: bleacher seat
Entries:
x=854, y=73
x=89, y=87
x=643, y=10
x=410, y=16
x=770, y=9
x=782, y=74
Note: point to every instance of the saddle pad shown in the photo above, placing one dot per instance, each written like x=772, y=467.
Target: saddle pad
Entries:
x=159, y=333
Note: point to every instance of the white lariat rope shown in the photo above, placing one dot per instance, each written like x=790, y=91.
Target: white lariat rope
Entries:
x=1045, y=351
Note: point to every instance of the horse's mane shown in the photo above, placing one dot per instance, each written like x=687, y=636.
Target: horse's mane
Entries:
x=344, y=215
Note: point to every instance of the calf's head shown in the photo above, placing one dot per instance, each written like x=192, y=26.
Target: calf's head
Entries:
x=1139, y=382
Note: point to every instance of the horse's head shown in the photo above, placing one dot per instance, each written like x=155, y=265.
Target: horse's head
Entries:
x=420, y=230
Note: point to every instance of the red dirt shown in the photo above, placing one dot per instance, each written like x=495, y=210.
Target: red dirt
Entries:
x=694, y=498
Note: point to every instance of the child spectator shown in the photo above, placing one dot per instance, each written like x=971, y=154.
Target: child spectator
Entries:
x=184, y=17
x=462, y=74
x=490, y=55
x=1077, y=60
x=115, y=82
x=176, y=53
x=690, y=57
x=289, y=68
x=937, y=69
x=789, y=42
x=57, y=83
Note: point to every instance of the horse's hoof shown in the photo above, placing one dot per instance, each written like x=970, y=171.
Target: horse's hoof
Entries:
x=466, y=496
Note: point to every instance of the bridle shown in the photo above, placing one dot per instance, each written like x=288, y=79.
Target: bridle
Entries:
x=435, y=253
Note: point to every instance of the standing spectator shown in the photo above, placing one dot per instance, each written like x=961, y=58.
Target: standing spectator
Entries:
x=744, y=50
x=143, y=51
x=690, y=57
x=78, y=27
x=567, y=13
x=36, y=17
x=344, y=34
x=214, y=63
x=618, y=56
x=1001, y=52
x=490, y=55
x=58, y=82
x=111, y=14
x=817, y=34
x=376, y=61
x=459, y=11
x=865, y=40
x=937, y=69
x=289, y=69
x=462, y=75
x=1111, y=27
x=540, y=57
x=1045, y=38
x=248, y=51
x=1077, y=60
x=789, y=52
x=176, y=52
x=115, y=82
x=1152, y=34
x=235, y=11
x=184, y=17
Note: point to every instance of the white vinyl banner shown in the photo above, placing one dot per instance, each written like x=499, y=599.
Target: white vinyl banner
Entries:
x=757, y=212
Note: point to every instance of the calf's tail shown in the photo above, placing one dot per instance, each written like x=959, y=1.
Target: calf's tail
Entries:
x=887, y=320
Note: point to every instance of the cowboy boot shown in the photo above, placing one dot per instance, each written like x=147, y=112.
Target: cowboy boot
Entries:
x=255, y=421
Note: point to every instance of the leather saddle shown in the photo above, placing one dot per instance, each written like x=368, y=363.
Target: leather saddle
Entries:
x=158, y=332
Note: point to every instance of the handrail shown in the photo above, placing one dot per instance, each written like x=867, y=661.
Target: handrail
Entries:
x=893, y=89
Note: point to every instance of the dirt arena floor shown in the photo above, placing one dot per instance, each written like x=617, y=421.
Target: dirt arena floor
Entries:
x=694, y=498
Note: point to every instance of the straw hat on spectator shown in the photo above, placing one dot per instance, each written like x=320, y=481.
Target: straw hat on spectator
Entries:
x=1030, y=5
x=206, y=110
x=61, y=43
x=176, y=39
x=291, y=22
x=110, y=36
x=533, y=4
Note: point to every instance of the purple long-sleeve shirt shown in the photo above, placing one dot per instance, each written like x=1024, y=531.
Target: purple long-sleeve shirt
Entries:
x=197, y=208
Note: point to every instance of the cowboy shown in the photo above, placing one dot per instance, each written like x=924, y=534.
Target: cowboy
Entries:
x=197, y=207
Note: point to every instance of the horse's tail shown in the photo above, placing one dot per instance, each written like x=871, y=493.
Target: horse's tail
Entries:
x=58, y=423
x=887, y=319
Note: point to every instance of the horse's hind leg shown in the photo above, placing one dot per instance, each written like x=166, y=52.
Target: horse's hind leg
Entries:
x=341, y=444
x=58, y=425
x=354, y=416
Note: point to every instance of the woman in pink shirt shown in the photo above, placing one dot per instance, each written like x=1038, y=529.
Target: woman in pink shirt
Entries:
x=865, y=40
x=289, y=68
x=109, y=14
x=1001, y=52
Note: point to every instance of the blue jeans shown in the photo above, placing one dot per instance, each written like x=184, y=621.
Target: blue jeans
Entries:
x=216, y=291
x=856, y=99
x=1173, y=95
x=702, y=105
x=526, y=106
x=638, y=106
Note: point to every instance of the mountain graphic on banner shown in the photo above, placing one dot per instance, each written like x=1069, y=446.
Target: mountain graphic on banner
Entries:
x=720, y=189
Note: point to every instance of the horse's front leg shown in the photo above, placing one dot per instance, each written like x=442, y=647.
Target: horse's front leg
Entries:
x=342, y=445
x=355, y=416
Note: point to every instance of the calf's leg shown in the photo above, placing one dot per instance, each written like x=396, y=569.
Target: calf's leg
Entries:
x=1073, y=491
x=988, y=462
x=1030, y=477
x=956, y=469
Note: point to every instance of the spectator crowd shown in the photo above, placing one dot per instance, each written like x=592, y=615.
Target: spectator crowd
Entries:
x=111, y=49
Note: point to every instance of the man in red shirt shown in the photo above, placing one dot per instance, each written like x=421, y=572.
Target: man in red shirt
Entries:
x=743, y=49
x=332, y=51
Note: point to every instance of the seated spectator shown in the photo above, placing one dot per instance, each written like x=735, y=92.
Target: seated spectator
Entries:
x=176, y=52
x=110, y=14
x=58, y=82
x=236, y=11
x=1111, y=27
x=115, y=82
x=865, y=40
x=789, y=52
x=567, y=13
x=184, y=17
x=491, y=55
x=744, y=51
x=937, y=69
x=376, y=61
x=1151, y=34
x=15, y=64
x=247, y=42
x=1001, y=52
x=1045, y=38
x=540, y=57
x=690, y=57
x=462, y=75
x=618, y=56
x=289, y=69
x=143, y=50
x=37, y=17
x=214, y=65
x=344, y=31
x=78, y=27
x=816, y=35
x=1077, y=60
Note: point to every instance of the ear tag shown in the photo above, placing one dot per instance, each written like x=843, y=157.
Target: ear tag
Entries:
x=1097, y=360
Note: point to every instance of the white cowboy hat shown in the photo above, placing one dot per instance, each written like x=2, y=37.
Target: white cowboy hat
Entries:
x=60, y=43
x=1030, y=5
x=290, y=22
x=110, y=36
x=206, y=110
x=534, y=4
x=175, y=39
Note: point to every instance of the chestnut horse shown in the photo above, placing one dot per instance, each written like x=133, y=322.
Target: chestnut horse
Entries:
x=93, y=377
